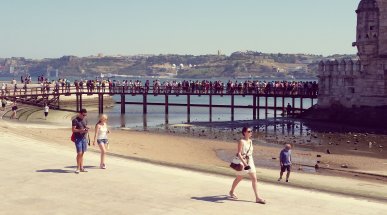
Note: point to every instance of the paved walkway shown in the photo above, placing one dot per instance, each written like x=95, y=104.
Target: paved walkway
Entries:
x=37, y=178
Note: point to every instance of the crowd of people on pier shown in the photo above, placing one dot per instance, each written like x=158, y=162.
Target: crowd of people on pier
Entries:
x=305, y=88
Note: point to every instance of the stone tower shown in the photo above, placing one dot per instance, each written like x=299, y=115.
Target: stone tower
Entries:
x=361, y=83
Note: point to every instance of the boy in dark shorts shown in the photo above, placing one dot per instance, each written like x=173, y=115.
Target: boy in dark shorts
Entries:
x=286, y=161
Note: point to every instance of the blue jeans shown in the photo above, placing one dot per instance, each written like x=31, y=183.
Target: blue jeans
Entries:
x=81, y=145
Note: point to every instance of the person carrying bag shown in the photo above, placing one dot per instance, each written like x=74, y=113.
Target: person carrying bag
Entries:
x=245, y=165
x=236, y=162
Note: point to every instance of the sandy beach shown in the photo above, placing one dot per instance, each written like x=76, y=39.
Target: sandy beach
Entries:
x=206, y=153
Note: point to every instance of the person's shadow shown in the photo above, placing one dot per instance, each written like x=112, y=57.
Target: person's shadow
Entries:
x=54, y=171
x=86, y=167
x=63, y=170
x=217, y=199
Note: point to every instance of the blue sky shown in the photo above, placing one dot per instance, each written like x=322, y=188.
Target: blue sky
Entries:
x=53, y=28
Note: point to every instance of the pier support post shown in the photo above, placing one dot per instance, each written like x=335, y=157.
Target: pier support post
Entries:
x=266, y=105
x=188, y=108
x=258, y=106
x=166, y=109
x=123, y=121
x=80, y=102
x=210, y=96
x=145, y=122
x=275, y=106
x=254, y=107
x=122, y=103
x=166, y=104
x=58, y=102
x=293, y=103
x=312, y=101
x=301, y=104
x=144, y=104
x=101, y=103
x=77, y=102
x=232, y=107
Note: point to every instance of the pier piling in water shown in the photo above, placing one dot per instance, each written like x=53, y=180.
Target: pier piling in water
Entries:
x=232, y=107
x=188, y=108
x=254, y=107
x=144, y=103
x=210, y=106
x=123, y=103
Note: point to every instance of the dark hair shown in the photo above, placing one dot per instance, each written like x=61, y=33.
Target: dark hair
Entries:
x=83, y=110
x=244, y=130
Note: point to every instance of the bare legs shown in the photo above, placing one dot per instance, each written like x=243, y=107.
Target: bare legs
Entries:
x=80, y=160
x=103, y=152
x=238, y=179
x=253, y=178
x=13, y=116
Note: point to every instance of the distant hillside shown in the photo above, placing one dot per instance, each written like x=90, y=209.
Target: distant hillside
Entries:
x=238, y=64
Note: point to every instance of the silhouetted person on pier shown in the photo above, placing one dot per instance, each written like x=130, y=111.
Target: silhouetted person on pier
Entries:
x=14, y=110
x=3, y=104
x=289, y=109
x=46, y=109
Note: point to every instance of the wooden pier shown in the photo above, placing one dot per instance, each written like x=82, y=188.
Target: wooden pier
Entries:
x=38, y=96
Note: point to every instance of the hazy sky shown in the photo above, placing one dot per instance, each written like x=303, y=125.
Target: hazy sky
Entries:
x=53, y=28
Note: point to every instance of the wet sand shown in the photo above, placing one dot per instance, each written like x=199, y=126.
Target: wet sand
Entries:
x=337, y=149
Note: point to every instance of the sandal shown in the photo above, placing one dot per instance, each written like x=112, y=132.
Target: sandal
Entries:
x=261, y=201
x=233, y=196
x=83, y=170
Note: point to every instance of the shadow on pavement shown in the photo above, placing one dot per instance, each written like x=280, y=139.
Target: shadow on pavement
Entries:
x=55, y=171
x=216, y=199
x=74, y=167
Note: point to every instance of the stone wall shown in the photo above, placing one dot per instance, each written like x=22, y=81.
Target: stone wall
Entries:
x=362, y=83
x=382, y=4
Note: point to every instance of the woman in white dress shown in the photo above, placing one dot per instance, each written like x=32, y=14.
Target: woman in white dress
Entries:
x=245, y=154
x=100, y=136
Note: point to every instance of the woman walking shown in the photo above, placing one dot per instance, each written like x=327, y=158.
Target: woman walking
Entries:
x=245, y=154
x=100, y=136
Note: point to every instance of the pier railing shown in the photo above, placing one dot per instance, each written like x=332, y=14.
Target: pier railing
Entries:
x=262, y=91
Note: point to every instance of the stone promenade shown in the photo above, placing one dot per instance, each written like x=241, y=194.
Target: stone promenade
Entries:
x=38, y=178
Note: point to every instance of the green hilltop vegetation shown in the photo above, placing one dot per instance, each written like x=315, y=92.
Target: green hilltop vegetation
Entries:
x=238, y=64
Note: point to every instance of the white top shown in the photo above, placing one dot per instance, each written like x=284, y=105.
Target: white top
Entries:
x=46, y=108
x=246, y=147
x=102, y=132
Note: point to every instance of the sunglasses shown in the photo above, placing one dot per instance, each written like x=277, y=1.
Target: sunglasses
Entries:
x=84, y=114
x=249, y=131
